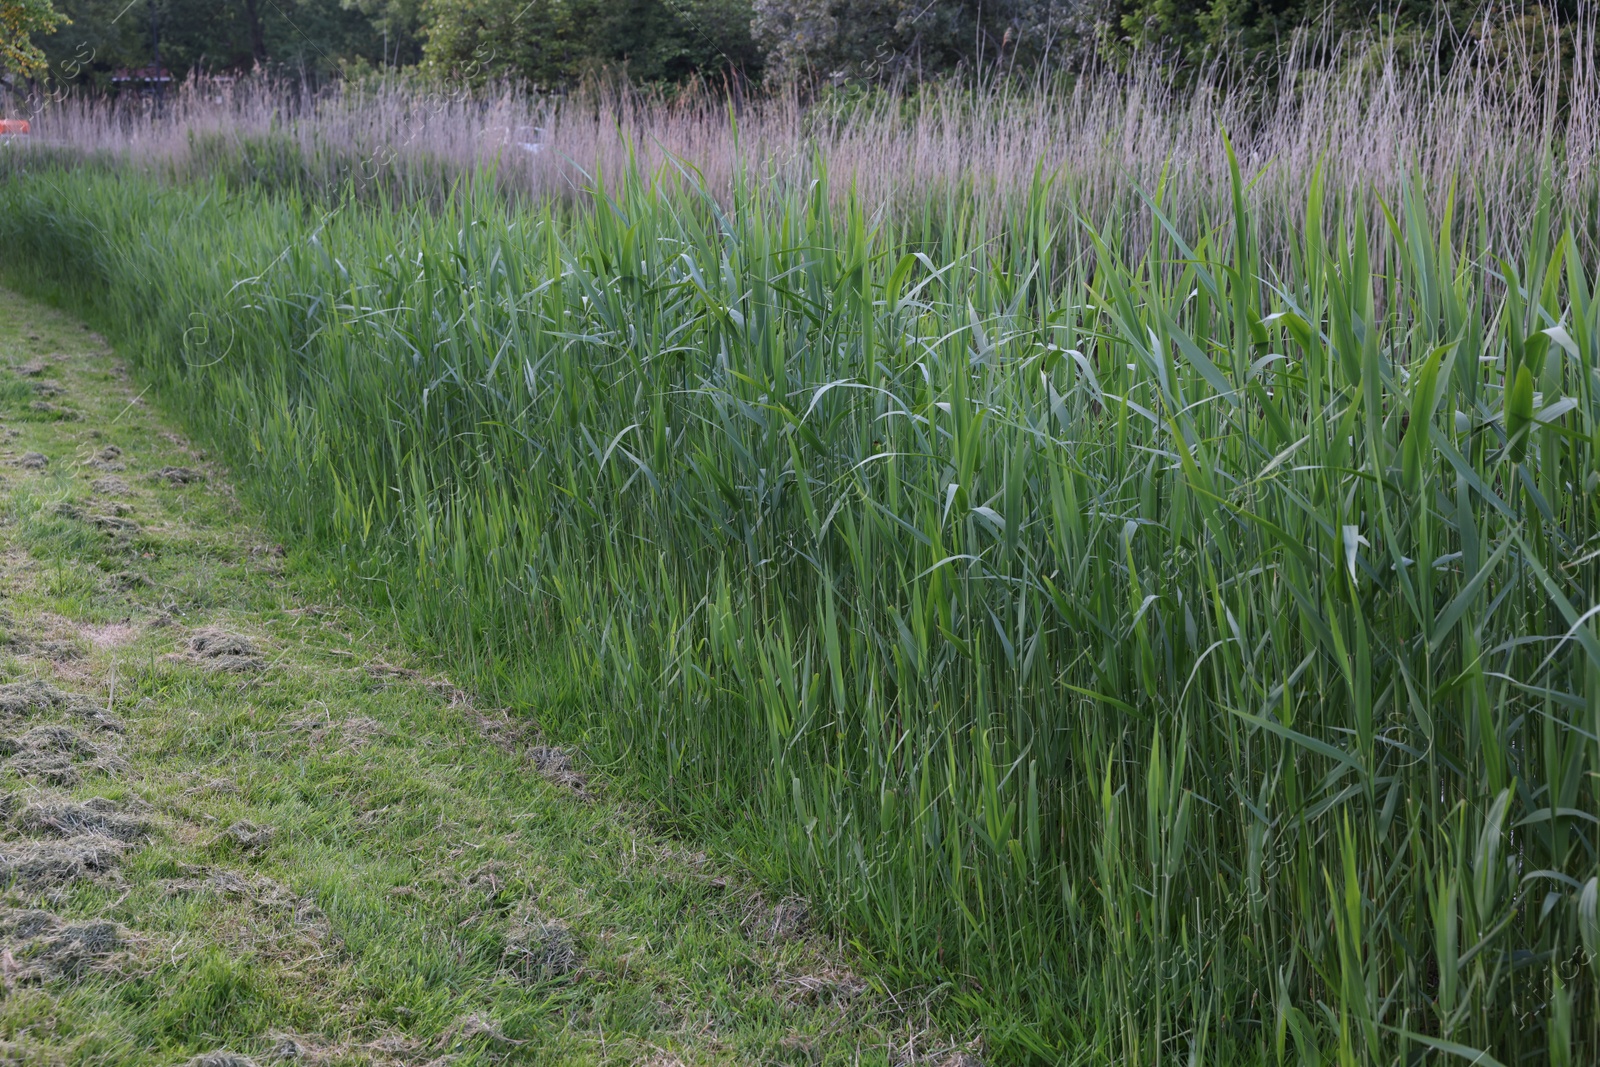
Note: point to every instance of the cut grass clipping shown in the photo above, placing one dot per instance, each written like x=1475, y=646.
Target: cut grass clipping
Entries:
x=1161, y=649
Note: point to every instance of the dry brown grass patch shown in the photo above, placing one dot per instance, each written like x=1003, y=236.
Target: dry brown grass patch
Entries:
x=787, y=920
x=41, y=946
x=222, y=650
x=556, y=765
x=39, y=865
x=221, y=1058
x=262, y=894
x=248, y=836
x=57, y=754
x=31, y=697
x=111, y=635
x=538, y=948
x=68, y=818
x=178, y=476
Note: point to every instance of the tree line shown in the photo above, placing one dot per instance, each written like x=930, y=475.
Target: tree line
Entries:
x=556, y=43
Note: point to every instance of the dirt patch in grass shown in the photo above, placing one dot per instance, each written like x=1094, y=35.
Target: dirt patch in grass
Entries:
x=36, y=865
x=41, y=946
x=33, y=461
x=110, y=486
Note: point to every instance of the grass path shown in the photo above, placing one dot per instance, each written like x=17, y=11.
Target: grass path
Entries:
x=238, y=823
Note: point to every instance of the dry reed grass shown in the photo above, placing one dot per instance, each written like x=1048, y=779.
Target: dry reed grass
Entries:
x=1511, y=101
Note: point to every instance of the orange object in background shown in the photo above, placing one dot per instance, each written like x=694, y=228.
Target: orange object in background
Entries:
x=8, y=126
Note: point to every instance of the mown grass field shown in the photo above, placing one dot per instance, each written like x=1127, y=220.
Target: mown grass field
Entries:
x=239, y=820
x=1164, y=631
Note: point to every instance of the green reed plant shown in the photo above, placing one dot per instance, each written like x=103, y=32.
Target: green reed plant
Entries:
x=1155, y=648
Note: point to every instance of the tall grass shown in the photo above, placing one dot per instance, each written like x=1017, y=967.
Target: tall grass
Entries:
x=1161, y=632
x=1509, y=104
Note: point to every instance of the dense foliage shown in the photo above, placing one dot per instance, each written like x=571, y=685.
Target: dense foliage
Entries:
x=557, y=43
x=1155, y=645
x=547, y=42
x=1239, y=34
x=317, y=37
x=19, y=21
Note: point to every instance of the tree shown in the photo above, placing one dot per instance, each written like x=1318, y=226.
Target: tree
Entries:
x=1235, y=35
x=482, y=39
x=19, y=21
x=556, y=42
x=258, y=36
x=314, y=37
x=868, y=38
x=399, y=23
x=918, y=39
x=851, y=40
